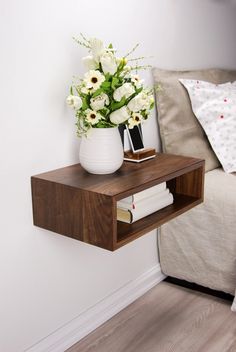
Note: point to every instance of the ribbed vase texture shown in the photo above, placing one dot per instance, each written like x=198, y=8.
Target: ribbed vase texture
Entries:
x=101, y=152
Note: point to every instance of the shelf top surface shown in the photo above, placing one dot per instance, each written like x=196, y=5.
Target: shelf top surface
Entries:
x=130, y=178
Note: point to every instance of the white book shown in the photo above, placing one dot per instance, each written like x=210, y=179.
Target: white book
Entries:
x=145, y=193
x=143, y=202
x=130, y=216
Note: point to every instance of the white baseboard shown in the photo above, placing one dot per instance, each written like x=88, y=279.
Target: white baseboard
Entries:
x=76, y=329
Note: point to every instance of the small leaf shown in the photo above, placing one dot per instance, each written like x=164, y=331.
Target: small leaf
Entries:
x=121, y=65
x=114, y=83
x=144, y=114
x=134, y=95
x=105, y=111
x=77, y=90
x=118, y=105
x=139, y=90
x=107, y=76
x=106, y=84
x=85, y=104
x=104, y=124
x=152, y=105
x=71, y=90
x=97, y=92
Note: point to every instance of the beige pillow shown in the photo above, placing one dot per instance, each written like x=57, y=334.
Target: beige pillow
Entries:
x=180, y=131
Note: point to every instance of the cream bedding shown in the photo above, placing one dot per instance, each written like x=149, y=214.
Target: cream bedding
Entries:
x=200, y=245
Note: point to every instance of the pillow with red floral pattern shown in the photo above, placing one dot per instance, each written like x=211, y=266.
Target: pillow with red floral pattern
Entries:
x=214, y=105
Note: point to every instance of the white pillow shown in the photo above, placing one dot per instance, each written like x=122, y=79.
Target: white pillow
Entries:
x=215, y=107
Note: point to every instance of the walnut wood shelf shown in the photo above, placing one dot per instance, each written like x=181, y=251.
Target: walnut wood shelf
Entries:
x=74, y=203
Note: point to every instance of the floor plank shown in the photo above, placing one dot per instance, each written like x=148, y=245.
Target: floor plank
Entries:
x=168, y=318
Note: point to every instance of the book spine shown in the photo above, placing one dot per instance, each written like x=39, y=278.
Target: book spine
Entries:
x=144, y=194
x=143, y=202
x=153, y=207
x=126, y=205
x=149, y=192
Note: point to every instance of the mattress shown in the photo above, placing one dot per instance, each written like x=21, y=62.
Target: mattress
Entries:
x=200, y=245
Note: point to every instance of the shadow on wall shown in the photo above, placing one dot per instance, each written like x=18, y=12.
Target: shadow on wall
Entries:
x=226, y=2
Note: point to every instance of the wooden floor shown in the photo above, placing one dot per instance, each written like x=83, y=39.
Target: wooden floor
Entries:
x=168, y=318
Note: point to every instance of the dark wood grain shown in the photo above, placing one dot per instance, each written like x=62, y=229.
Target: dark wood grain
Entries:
x=74, y=203
x=191, y=183
x=130, y=178
x=82, y=215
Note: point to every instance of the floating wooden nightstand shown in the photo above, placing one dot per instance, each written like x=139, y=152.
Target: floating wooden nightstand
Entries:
x=74, y=203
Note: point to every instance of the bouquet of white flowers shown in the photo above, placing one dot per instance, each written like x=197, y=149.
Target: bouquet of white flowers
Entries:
x=110, y=94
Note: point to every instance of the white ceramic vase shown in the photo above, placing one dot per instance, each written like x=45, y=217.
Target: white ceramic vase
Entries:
x=101, y=152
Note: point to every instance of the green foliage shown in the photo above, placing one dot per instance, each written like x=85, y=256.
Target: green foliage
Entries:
x=110, y=82
x=85, y=103
x=104, y=124
x=104, y=112
x=106, y=85
x=82, y=43
x=107, y=76
x=97, y=93
x=118, y=105
x=114, y=83
x=152, y=105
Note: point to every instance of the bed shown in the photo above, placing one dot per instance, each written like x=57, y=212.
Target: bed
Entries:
x=200, y=245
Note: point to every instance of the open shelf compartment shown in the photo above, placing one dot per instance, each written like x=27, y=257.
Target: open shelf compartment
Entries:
x=187, y=190
x=128, y=232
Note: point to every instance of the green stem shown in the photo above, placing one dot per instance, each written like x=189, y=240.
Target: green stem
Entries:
x=132, y=50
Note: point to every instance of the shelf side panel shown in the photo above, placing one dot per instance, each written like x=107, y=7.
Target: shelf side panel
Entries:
x=72, y=212
x=99, y=221
x=191, y=183
x=55, y=207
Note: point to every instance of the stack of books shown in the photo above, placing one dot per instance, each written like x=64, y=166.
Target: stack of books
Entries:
x=144, y=203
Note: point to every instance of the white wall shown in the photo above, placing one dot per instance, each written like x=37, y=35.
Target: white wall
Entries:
x=47, y=279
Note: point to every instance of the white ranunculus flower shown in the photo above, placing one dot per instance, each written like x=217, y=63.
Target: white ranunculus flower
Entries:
x=108, y=62
x=99, y=102
x=89, y=63
x=126, y=90
x=92, y=117
x=97, y=48
x=119, y=116
x=93, y=79
x=74, y=101
x=135, y=119
x=139, y=102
